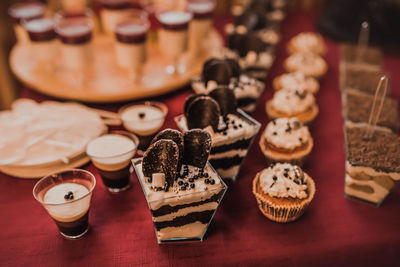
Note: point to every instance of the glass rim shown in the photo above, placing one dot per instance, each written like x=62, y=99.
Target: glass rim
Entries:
x=160, y=12
x=60, y=14
x=25, y=22
x=54, y=174
x=20, y=4
x=133, y=137
x=70, y=21
x=145, y=22
x=163, y=107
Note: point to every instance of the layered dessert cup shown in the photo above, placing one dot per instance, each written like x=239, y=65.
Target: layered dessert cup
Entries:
x=372, y=164
x=130, y=45
x=113, y=12
x=43, y=40
x=76, y=44
x=111, y=155
x=173, y=36
x=231, y=129
x=227, y=72
x=201, y=24
x=24, y=12
x=66, y=197
x=144, y=119
x=182, y=190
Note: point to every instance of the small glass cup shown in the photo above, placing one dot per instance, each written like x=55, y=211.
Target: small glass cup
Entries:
x=201, y=24
x=173, y=37
x=85, y=13
x=144, y=119
x=112, y=12
x=111, y=154
x=66, y=197
x=24, y=12
x=76, y=45
x=130, y=45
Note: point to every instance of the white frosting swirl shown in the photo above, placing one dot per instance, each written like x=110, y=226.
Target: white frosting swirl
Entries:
x=287, y=133
x=292, y=101
x=284, y=180
x=307, y=42
x=299, y=80
x=307, y=63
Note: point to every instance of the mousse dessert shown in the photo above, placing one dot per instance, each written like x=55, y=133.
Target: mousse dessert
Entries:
x=358, y=106
x=296, y=80
x=292, y=102
x=372, y=164
x=111, y=155
x=231, y=129
x=173, y=35
x=144, y=119
x=283, y=192
x=227, y=72
x=286, y=140
x=43, y=39
x=113, y=12
x=66, y=197
x=130, y=46
x=76, y=42
x=201, y=24
x=24, y=12
x=182, y=190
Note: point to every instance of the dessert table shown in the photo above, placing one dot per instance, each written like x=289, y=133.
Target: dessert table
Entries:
x=334, y=230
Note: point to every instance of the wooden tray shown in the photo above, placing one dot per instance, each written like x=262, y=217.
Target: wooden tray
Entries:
x=108, y=82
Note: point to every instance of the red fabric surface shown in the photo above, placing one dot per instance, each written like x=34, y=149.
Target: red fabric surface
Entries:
x=335, y=230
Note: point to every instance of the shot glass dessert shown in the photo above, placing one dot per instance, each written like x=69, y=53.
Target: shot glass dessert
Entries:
x=283, y=192
x=201, y=24
x=182, y=190
x=111, y=155
x=372, y=164
x=43, y=41
x=296, y=80
x=173, y=37
x=144, y=119
x=24, y=12
x=130, y=45
x=227, y=72
x=66, y=197
x=292, y=102
x=231, y=129
x=73, y=6
x=76, y=45
x=286, y=140
x=112, y=12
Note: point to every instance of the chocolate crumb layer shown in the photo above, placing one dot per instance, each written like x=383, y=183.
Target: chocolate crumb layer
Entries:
x=348, y=53
x=359, y=107
x=381, y=151
x=362, y=79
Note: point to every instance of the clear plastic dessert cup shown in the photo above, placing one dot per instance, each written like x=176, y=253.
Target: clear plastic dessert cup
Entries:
x=144, y=119
x=229, y=148
x=66, y=197
x=111, y=154
x=182, y=216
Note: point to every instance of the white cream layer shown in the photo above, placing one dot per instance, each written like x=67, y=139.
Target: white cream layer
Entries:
x=289, y=102
x=191, y=230
x=299, y=80
x=378, y=195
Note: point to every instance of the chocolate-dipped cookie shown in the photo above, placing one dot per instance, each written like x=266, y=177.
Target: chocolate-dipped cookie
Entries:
x=226, y=100
x=162, y=157
x=202, y=112
x=197, y=147
x=171, y=134
x=217, y=70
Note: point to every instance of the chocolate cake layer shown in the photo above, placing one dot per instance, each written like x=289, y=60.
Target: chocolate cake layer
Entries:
x=167, y=209
x=242, y=144
x=380, y=152
x=358, y=108
x=203, y=217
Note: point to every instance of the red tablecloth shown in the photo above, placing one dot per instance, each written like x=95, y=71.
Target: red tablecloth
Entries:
x=334, y=230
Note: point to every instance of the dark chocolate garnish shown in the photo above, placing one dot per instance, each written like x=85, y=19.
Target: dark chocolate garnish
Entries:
x=171, y=134
x=251, y=42
x=235, y=67
x=252, y=20
x=197, y=147
x=204, y=111
x=162, y=157
x=217, y=70
x=189, y=101
x=226, y=100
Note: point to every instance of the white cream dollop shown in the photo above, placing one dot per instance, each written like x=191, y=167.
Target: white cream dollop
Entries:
x=284, y=180
x=299, y=80
x=306, y=62
x=308, y=42
x=287, y=133
x=292, y=101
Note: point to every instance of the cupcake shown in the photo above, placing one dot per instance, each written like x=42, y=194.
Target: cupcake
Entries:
x=286, y=140
x=296, y=80
x=227, y=72
x=290, y=102
x=307, y=42
x=308, y=63
x=283, y=192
